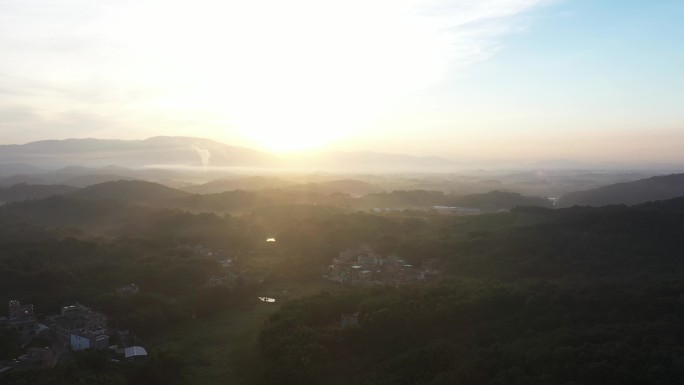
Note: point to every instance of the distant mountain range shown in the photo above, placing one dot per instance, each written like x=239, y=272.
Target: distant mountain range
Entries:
x=203, y=166
x=170, y=152
x=157, y=151
x=95, y=205
x=628, y=193
x=180, y=152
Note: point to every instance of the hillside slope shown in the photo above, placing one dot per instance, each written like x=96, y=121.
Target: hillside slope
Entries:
x=628, y=193
x=25, y=191
x=134, y=191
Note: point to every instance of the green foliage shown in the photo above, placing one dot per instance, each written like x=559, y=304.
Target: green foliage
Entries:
x=161, y=367
x=96, y=368
x=462, y=333
x=581, y=296
x=542, y=296
x=628, y=193
x=581, y=242
x=497, y=200
x=9, y=344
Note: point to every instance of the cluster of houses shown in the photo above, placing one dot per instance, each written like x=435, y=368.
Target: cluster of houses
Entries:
x=77, y=327
x=364, y=266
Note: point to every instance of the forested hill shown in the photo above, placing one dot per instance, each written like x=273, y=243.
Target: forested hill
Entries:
x=612, y=241
x=351, y=194
x=136, y=191
x=499, y=200
x=583, y=296
x=117, y=218
x=628, y=193
x=243, y=183
x=493, y=200
x=23, y=191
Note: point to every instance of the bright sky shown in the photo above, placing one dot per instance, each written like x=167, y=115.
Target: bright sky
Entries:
x=504, y=79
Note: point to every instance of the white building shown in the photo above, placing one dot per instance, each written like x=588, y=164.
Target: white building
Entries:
x=81, y=340
x=135, y=352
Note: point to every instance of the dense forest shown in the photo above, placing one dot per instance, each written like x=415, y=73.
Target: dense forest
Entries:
x=529, y=295
x=628, y=193
x=585, y=296
x=357, y=195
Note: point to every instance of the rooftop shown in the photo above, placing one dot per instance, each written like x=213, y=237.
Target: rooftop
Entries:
x=135, y=351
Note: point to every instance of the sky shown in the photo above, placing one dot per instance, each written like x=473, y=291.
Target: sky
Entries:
x=585, y=80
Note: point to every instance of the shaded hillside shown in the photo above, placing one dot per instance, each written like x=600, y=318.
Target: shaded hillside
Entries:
x=92, y=179
x=628, y=193
x=612, y=241
x=494, y=200
x=25, y=191
x=454, y=333
x=119, y=218
x=402, y=199
x=245, y=183
x=62, y=211
x=587, y=296
x=246, y=201
x=345, y=186
x=8, y=169
x=24, y=178
x=498, y=200
x=136, y=191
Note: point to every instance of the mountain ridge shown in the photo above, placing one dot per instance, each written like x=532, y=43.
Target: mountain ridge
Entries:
x=628, y=193
x=163, y=150
x=203, y=154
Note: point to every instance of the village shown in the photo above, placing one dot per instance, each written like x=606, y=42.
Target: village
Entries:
x=363, y=266
x=47, y=340
x=77, y=327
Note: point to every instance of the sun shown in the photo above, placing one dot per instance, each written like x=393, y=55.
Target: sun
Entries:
x=301, y=118
x=285, y=76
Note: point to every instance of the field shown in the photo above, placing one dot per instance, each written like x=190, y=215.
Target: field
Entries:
x=223, y=348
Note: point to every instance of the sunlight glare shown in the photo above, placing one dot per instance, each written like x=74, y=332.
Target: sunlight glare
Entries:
x=286, y=75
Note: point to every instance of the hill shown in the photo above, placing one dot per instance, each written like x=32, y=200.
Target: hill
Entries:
x=8, y=169
x=586, y=296
x=490, y=201
x=135, y=191
x=499, y=200
x=161, y=150
x=244, y=183
x=25, y=191
x=628, y=193
x=344, y=186
x=66, y=212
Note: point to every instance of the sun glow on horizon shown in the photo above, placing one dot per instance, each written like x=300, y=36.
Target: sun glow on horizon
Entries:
x=287, y=76
x=278, y=76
